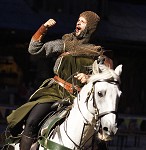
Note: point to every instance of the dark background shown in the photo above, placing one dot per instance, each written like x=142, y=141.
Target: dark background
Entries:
x=122, y=29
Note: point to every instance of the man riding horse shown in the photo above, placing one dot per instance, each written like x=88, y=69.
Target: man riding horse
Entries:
x=72, y=69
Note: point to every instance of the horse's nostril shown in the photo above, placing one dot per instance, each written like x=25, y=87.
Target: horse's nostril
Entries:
x=105, y=129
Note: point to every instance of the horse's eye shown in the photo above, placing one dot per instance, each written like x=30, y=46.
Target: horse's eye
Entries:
x=100, y=94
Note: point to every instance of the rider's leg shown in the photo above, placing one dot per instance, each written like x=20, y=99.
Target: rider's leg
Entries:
x=26, y=142
x=32, y=125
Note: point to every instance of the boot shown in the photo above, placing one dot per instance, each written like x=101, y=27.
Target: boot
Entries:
x=26, y=142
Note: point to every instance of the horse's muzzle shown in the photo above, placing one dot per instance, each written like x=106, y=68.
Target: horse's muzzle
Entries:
x=106, y=134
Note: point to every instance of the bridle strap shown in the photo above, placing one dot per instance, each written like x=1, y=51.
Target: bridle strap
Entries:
x=99, y=116
x=106, y=113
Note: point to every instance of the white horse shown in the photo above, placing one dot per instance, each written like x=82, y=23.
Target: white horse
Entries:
x=92, y=115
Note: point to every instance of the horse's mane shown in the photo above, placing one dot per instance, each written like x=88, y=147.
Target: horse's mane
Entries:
x=103, y=73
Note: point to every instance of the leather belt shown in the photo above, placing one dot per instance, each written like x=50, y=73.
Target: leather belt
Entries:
x=68, y=86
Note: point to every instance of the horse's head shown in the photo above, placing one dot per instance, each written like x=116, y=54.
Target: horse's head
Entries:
x=105, y=94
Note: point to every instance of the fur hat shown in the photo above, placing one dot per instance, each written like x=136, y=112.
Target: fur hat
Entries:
x=92, y=20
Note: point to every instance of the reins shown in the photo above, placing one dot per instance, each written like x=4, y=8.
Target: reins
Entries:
x=97, y=115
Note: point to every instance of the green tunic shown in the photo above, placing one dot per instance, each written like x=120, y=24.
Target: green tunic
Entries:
x=51, y=91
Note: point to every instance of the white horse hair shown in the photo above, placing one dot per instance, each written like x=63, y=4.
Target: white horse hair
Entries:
x=93, y=112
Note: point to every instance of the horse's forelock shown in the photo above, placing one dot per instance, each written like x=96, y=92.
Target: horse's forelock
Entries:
x=105, y=74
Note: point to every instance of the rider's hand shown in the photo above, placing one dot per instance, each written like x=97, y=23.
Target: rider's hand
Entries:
x=82, y=77
x=50, y=23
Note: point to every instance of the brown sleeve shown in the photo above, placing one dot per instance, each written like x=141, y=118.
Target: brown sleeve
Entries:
x=40, y=33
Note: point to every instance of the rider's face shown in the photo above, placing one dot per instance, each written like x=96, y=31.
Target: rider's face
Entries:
x=80, y=26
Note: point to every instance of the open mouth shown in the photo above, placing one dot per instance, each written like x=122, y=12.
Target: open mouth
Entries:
x=78, y=29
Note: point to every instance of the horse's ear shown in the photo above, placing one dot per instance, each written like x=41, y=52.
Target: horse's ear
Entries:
x=95, y=67
x=118, y=70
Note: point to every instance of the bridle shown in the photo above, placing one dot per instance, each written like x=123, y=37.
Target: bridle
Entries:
x=97, y=115
x=100, y=115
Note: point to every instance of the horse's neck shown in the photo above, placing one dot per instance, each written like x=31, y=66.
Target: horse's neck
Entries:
x=83, y=120
x=74, y=129
x=79, y=116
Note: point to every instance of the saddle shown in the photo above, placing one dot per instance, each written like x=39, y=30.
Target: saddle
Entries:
x=52, y=120
x=50, y=127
